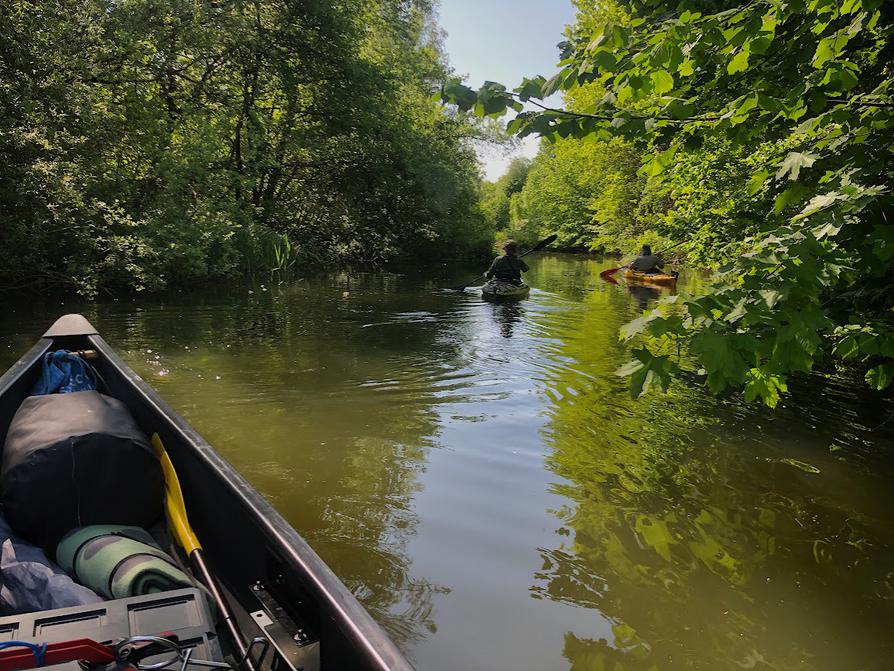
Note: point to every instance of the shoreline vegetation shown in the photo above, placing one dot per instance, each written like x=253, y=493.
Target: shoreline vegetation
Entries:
x=154, y=143
x=157, y=143
x=761, y=135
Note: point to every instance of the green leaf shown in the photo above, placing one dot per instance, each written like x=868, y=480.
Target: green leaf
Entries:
x=460, y=95
x=663, y=82
x=880, y=377
x=647, y=372
x=828, y=229
x=793, y=163
x=847, y=348
x=739, y=62
x=741, y=113
x=759, y=45
x=605, y=60
x=759, y=383
x=637, y=326
x=530, y=88
x=825, y=51
x=757, y=182
x=665, y=325
x=771, y=297
x=818, y=203
x=555, y=83
x=739, y=310
x=659, y=163
x=790, y=196
x=721, y=358
x=678, y=109
x=830, y=48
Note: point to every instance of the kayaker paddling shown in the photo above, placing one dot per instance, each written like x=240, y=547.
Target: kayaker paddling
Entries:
x=646, y=262
x=646, y=267
x=514, y=286
x=509, y=267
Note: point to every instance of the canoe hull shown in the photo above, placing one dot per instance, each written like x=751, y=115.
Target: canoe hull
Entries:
x=245, y=540
x=645, y=278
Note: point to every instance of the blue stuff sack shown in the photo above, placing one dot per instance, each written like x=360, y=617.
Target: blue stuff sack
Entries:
x=64, y=372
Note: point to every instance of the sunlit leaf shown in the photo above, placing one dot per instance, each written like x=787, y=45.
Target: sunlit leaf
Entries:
x=757, y=182
x=793, y=163
x=663, y=82
x=880, y=377
x=647, y=372
x=739, y=62
x=763, y=385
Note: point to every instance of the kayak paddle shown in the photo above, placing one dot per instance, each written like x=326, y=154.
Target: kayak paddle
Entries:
x=187, y=539
x=607, y=274
x=536, y=248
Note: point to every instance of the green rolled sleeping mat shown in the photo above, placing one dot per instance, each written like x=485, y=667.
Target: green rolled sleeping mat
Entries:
x=119, y=561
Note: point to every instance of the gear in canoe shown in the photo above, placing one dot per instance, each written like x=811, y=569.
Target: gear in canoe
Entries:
x=240, y=592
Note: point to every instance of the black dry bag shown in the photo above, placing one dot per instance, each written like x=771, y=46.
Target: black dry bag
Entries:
x=72, y=460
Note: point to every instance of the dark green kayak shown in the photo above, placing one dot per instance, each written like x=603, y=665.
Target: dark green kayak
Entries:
x=496, y=290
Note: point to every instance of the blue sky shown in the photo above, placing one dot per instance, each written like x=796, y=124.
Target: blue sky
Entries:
x=504, y=41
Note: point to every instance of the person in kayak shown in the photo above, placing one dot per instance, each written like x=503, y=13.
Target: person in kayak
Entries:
x=647, y=262
x=509, y=267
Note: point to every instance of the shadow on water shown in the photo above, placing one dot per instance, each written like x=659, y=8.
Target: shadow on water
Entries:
x=480, y=477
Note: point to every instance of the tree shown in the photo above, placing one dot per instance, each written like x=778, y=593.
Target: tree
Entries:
x=496, y=197
x=799, y=93
x=587, y=192
x=147, y=142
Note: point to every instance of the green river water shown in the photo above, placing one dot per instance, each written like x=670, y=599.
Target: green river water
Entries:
x=484, y=483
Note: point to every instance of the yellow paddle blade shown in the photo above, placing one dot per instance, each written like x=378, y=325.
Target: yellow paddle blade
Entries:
x=174, y=503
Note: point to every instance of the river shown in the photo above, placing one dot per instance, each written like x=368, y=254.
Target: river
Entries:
x=481, y=479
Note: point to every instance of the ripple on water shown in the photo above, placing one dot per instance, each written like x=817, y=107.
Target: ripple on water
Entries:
x=480, y=477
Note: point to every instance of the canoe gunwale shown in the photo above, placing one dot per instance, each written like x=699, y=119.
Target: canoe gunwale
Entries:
x=15, y=376
x=335, y=604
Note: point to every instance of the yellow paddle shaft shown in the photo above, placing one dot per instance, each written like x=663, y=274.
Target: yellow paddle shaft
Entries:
x=174, y=503
x=188, y=540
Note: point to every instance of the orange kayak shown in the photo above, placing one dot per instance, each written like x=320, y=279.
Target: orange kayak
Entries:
x=650, y=278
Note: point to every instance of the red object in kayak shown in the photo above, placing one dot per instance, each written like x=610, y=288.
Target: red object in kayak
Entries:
x=78, y=650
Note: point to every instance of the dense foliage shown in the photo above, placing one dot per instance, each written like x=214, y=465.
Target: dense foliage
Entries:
x=500, y=199
x=144, y=142
x=767, y=128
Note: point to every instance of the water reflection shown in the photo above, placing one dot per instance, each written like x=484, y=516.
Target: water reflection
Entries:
x=479, y=476
x=643, y=294
x=507, y=315
x=712, y=535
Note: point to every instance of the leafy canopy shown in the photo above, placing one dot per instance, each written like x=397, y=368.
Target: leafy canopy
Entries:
x=797, y=95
